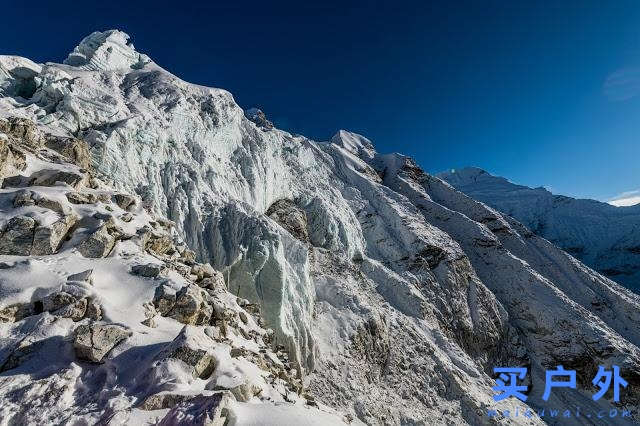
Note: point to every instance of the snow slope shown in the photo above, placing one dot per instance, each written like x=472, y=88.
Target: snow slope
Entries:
x=605, y=237
x=393, y=294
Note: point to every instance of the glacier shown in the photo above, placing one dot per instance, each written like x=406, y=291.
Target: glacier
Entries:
x=390, y=295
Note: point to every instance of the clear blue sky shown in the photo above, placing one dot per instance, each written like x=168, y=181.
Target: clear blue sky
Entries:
x=517, y=88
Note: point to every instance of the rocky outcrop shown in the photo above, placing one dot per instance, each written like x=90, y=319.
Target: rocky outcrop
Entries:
x=100, y=242
x=200, y=411
x=191, y=306
x=17, y=236
x=259, y=118
x=290, y=217
x=191, y=347
x=93, y=342
x=47, y=239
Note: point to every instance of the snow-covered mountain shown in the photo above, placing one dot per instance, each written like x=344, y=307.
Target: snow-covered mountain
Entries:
x=603, y=236
x=245, y=275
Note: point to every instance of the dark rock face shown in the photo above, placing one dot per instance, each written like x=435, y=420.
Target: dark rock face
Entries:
x=17, y=236
x=259, y=118
x=290, y=217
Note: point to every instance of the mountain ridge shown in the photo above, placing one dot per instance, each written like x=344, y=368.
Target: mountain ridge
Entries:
x=603, y=236
x=392, y=294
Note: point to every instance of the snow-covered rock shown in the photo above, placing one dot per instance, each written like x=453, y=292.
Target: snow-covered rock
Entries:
x=605, y=237
x=390, y=295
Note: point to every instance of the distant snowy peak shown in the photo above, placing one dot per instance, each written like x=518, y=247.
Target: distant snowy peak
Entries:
x=106, y=51
x=601, y=235
x=476, y=176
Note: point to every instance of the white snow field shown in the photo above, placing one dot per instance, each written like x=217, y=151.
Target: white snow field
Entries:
x=344, y=285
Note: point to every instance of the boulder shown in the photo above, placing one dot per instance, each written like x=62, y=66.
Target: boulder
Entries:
x=51, y=177
x=149, y=270
x=57, y=300
x=214, y=282
x=164, y=299
x=24, y=198
x=192, y=346
x=47, y=239
x=200, y=411
x=84, y=276
x=93, y=342
x=17, y=237
x=98, y=244
x=191, y=306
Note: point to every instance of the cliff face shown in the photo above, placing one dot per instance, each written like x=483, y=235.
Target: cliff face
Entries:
x=393, y=294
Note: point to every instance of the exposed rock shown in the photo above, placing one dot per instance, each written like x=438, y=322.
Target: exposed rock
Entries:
x=98, y=244
x=94, y=310
x=164, y=299
x=81, y=197
x=76, y=311
x=16, y=312
x=47, y=239
x=149, y=270
x=17, y=236
x=162, y=401
x=290, y=217
x=24, y=130
x=124, y=201
x=86, y=276
x=57, y=300
x=192, y=346
x=75, y=150
x=52, y=176
x=200, y=411
x=259, y=118
x=93, y=342
x=191, y=306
